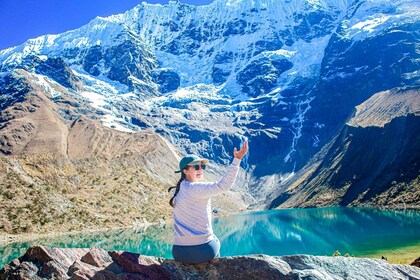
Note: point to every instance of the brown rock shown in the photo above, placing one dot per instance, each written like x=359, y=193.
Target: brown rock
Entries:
x=79, y=276
x=11, y=266
x=135, y=263
x=38, y=253
x=15, y=262
x=42, y=262
x=42, y=255
x=53, y=270
x=416, y=262
x=97, y=257
x=26, y=270
x=81, y=270
x=105, y=275
x=131, y=266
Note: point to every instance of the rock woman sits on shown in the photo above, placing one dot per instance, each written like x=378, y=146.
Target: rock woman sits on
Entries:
x=194, y=241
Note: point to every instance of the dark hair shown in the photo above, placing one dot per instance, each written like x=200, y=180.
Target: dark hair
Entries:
x=177, y=187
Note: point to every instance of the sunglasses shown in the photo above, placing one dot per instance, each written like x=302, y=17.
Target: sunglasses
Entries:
x=197, y=167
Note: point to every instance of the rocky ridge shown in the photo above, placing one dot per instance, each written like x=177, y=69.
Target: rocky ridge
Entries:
x=55, y=263
x=263, y=70
x=372, y=161
x=80, y=173
x=287, y=76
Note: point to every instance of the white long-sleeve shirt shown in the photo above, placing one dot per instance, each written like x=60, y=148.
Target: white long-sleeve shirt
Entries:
x=192, y=212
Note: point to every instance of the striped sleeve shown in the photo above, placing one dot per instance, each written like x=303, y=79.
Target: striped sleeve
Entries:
x=206, y=190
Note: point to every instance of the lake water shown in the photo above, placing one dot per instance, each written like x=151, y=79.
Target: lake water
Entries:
x=316, y=231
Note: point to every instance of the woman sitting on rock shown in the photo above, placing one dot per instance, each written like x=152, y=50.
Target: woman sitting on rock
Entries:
x=194, y=241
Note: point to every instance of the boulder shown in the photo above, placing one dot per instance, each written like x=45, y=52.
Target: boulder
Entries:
x=416, y=262
x=97, y=257
x=54, y=263
x=81, y=270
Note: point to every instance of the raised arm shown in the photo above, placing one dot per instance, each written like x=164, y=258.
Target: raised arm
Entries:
x=203, y=190
x=242, y=152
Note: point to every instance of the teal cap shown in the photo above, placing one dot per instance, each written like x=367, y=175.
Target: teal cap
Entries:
x=190, y=160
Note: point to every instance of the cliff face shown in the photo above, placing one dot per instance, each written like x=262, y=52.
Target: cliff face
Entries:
x=374, y=160
x=53, y=263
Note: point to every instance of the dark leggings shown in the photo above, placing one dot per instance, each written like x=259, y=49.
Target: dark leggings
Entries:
x=198, y=253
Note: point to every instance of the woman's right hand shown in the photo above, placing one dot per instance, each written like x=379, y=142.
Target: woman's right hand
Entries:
x=242, y=152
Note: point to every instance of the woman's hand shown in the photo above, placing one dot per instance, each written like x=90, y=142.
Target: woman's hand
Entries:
x=242, y=152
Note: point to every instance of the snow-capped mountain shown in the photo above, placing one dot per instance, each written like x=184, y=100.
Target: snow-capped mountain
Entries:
x=284, y=74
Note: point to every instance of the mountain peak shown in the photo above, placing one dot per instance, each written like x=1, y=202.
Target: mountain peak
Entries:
x=287, y=75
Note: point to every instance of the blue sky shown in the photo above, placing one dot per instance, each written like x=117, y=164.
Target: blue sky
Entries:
x=21, y=20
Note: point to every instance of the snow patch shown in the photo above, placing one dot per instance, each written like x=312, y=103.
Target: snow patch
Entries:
x=297, y=123
x=47, y=85
x=101, y=85
x=97, y=100
x=114, y=122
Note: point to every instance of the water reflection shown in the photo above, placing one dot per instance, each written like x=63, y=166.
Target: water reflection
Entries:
x=275, y=232
x=318, y=231
x=154, y=241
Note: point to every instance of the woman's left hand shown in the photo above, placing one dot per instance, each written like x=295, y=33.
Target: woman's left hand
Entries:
x=242, y=152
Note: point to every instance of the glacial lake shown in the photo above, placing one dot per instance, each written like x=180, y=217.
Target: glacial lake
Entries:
x=316, y=231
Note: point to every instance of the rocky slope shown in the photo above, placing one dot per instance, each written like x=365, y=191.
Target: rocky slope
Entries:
x=284, y=75
x=372, y=161
x=54, y=263
x=65, y=171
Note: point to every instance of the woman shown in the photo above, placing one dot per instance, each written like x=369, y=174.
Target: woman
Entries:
x=194, y=241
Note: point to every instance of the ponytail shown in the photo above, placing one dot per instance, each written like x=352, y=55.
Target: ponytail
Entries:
x=177, y=187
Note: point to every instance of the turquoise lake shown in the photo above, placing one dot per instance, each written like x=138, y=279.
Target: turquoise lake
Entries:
x=316, y=231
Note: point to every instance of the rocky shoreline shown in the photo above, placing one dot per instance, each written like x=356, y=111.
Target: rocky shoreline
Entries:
x=56, y=263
